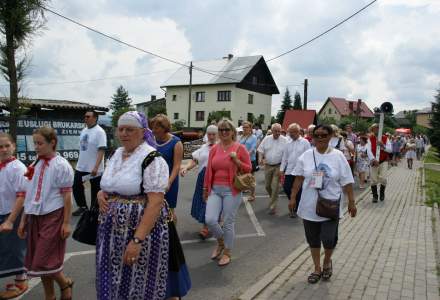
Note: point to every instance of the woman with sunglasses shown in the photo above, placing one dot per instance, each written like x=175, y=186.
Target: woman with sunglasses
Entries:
x=226, y=159
x=322, y=172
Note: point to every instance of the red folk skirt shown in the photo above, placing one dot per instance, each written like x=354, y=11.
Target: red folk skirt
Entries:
x=45, y=247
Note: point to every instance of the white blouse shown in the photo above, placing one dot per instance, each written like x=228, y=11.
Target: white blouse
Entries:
x=49, y=183
x=337, y=173
x=12, y=184
x=124, y=177
x=202, y=155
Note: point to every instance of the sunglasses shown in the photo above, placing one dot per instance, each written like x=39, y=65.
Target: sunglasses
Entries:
x=224, y=129
x=320, y=136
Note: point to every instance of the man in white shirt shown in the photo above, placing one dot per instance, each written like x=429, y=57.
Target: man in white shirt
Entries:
x=293, y=150
x=90, y=165
x=271, y=153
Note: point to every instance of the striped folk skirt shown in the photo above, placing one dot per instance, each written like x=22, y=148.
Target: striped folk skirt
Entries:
x=12, y=251
x=45, y=247
x=147, y=278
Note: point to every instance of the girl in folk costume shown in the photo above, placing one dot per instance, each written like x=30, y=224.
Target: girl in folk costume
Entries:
x=46, y=218
x=12, y=193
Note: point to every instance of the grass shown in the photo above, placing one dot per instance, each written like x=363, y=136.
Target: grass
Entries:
x=432, y=156
x=432, y=185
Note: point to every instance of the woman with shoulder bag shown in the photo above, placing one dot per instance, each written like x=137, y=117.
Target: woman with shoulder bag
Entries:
x=325, y=177
x=250, y=142
x=226, y=161
x=137, y=241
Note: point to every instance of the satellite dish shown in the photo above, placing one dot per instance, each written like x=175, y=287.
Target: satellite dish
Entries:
x=386, y=108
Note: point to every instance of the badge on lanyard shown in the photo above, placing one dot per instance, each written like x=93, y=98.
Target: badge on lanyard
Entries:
x=316, y=180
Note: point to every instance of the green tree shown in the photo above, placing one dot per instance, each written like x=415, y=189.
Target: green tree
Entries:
x=260, y=120
x=285, y=105
x=20, y=20
x=116, y=114
x=156, y=109
x=434, y=133
x=297, y=104
x=178, y=125
x=216, y=116
x=120, y=104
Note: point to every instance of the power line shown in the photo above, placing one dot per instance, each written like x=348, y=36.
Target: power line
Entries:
x=93, y=80
x=323, y=33
x=305, y=43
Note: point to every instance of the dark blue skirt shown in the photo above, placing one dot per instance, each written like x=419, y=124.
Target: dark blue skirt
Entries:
x=198, y=207
x=12, y=250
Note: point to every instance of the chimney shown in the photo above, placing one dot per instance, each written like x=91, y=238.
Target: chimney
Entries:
x=229, y=57
x=153, y=97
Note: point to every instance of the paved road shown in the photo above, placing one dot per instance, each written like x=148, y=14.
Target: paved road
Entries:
x=387, y=252
x=262, y=244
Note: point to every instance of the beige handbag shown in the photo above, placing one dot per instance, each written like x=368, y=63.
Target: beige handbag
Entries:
x=244, y=182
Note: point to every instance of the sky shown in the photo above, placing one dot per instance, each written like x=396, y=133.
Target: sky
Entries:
x=389, y=52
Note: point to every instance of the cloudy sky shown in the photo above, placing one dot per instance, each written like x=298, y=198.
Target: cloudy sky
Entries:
x=389, y=52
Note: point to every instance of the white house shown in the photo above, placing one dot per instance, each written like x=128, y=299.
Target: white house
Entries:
x=242, y=86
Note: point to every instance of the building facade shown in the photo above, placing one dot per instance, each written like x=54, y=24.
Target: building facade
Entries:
x=338, y=108
x=243, y=89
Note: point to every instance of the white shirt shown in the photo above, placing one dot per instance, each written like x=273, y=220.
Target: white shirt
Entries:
x=201, y=155
x=12, y=184
x=45, y=192
x=334, y=142
x=125, y=177
x=293, y=150
x=337, y=173
x=349, y=147
x=91, y=141
x=272, y=149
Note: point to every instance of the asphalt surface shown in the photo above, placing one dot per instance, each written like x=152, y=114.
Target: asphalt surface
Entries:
x=261, y=244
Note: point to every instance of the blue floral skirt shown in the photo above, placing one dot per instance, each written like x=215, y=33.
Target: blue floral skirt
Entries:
x=148, y=277
x=198, y=207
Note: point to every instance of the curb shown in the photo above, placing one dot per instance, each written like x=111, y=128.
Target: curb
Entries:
x=261, y=284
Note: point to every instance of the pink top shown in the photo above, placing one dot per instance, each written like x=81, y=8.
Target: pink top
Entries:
x=221, y=167
x=221, y=163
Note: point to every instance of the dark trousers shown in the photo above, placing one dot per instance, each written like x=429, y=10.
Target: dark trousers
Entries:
x=78, y=189
x=287, y=186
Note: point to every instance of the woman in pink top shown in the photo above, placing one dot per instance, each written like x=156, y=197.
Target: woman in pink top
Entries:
x=225, y=160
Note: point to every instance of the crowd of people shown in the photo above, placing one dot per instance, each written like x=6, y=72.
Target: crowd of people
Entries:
x=138, y=251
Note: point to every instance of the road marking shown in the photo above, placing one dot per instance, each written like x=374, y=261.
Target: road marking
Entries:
x=253, y=218
x=265, y=196
x=260, y=232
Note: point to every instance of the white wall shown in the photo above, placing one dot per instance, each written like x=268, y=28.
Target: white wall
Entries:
x=238, y=105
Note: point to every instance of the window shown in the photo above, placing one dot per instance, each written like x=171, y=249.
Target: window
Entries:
x=176, y=116
x=174, y=97
x=224, y=96
x=250, y=99
x=329, y=111
x=200, y=96
x=250, y=117
x=200, y=116
x=254, y=80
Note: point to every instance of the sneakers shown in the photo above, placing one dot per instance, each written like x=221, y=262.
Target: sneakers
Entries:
x=79, y=211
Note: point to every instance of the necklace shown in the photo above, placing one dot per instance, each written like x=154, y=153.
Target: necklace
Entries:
x=225, y=148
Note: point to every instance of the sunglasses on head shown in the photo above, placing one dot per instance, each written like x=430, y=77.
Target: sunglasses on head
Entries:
x=320, y=136
x=224, y=129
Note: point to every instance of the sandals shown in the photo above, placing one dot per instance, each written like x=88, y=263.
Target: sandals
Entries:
x=327, y=272
x=69, y=285
x=14, y=290
x=314, y=277
x=218, y=250
x=251, y=199
x=204, y=233
x=226, y=258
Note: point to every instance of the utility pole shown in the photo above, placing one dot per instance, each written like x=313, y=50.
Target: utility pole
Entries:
x=189, y=93
x=306, y=83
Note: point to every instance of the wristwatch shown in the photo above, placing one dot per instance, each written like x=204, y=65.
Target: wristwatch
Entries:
x=137, y=241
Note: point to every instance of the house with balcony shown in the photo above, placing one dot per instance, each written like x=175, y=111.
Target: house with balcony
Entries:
x=242, y=87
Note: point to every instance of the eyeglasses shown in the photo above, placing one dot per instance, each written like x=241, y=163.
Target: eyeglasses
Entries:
x=320, y=136
x=224, y=129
